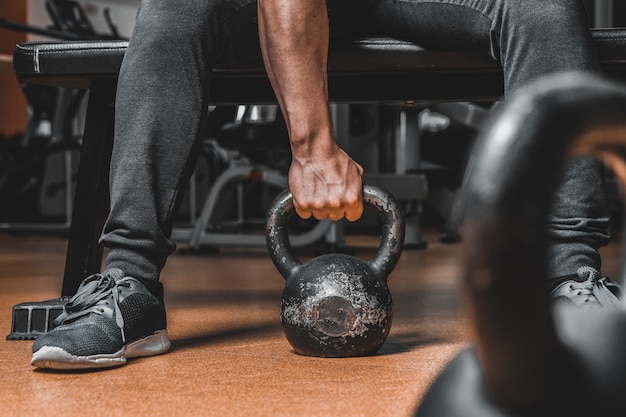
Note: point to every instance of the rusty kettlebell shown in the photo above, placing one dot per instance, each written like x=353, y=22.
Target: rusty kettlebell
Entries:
x=336, y=305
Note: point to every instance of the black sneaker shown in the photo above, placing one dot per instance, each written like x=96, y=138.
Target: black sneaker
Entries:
x=586, y=288
x=110, y=319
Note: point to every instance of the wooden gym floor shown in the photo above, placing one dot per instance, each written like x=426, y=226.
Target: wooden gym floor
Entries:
x=229, y=356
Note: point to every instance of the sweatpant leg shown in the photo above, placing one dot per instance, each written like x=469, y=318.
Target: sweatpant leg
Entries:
x=160, y=108
x=530, y=38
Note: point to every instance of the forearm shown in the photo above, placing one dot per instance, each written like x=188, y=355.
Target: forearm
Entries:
x=324, y=180
x=294, y=42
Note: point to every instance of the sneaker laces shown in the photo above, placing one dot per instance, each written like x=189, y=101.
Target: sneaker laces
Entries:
x=94, y=289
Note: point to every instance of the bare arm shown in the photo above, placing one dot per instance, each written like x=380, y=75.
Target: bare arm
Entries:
x=324, y=180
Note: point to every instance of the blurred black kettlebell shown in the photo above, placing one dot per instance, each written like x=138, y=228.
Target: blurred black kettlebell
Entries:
x=336, y=305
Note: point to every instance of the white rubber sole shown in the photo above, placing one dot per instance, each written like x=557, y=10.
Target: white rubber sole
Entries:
x=52, y=357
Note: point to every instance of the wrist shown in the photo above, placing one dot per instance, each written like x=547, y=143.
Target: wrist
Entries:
x=314, y=146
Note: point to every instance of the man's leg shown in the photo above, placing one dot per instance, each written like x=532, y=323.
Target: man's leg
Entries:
x=161, y=104
x=530, y=39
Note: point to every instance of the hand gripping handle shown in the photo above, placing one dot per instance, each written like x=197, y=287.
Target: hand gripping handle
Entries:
x=392, y=234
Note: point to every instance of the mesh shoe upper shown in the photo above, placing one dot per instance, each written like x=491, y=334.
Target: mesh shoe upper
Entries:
x=107, y=312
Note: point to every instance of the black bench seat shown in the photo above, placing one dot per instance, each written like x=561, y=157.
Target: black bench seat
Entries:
x=353, y=63
x=360, y=70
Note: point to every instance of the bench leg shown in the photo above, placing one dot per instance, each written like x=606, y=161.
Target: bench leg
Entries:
x=91, y=206
x=91, y=201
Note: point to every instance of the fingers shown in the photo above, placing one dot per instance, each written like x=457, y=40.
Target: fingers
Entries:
x=354, y=209
x=342, y=203
x=305, y=214
x=354, y=213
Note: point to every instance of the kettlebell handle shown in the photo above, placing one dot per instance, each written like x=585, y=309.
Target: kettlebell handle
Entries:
x=391, y=242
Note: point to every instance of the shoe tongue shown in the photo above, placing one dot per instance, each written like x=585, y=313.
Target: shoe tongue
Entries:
x=587, y=272
x=583, y=273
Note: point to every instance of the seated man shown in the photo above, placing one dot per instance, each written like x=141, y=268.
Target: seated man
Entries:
x=162, y=106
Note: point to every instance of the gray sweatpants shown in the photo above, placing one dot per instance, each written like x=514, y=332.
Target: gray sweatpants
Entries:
x=161, y=102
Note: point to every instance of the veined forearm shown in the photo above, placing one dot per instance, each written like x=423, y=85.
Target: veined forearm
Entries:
x=294, y=42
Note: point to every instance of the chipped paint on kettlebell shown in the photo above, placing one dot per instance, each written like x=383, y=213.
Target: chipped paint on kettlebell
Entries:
x=339, y=306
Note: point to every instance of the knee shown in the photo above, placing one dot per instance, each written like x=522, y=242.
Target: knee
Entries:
x=176, y=21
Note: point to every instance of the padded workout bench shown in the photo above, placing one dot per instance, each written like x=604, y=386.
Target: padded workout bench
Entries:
x=360, y=70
